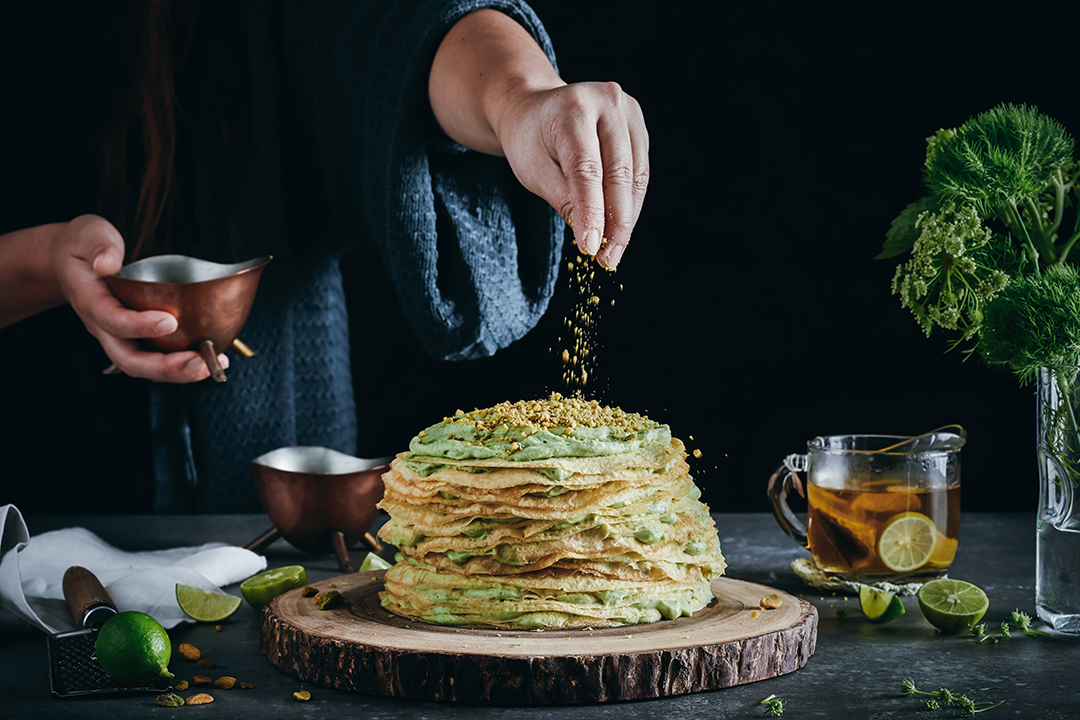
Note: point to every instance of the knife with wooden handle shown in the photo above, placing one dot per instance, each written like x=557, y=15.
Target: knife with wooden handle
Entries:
x=90, y=604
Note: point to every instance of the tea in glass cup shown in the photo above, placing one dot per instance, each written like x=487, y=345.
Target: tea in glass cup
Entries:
x=879, y=507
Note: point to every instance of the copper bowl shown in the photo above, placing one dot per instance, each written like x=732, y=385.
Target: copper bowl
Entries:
x=320, y=500
x=211, y=301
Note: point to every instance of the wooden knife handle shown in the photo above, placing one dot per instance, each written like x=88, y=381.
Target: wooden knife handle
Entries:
x=83, y=592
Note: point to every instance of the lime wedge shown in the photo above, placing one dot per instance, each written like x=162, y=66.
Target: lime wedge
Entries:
x=907, y=541
x=264, y=587
x=879, y=605
x=373, y=562
x=204, y=605
x=952, y=606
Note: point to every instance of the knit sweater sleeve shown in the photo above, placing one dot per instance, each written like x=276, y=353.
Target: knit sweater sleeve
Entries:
x=472, y=254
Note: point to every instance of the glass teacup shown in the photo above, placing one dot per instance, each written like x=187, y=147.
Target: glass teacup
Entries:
x=879, y=507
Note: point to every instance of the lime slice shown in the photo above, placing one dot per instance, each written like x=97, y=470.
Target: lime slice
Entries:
x=204, y=605
x=952, y=606
x=373, y=562
x=264, y=587
x=879, y=605
x=132, y=647
x=907, y=541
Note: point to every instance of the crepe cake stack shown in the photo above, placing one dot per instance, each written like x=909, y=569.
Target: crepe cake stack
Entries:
x=552, y=513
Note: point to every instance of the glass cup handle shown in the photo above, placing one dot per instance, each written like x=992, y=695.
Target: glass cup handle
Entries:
x=780, y=484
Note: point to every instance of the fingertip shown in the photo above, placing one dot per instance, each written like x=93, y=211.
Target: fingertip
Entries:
x=590, y=244
x=612, y=256
x=106, y=262
x=196, y=370
x=165, y=324
x=223, y=360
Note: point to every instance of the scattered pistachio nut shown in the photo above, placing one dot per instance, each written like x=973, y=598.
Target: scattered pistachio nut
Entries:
x=219, y=628
x=169, y=700
x=206, y=663
x=201, y=680
x=182, y=685
x=246, y=686
x=189, y=652
x=753, y=614
x=309, y=591
x=199, y=699
x=225, y=683
x=302, y=695
x=771, y=601
x=328, y=600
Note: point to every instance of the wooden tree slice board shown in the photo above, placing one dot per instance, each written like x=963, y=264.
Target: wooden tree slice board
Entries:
x=361, y=647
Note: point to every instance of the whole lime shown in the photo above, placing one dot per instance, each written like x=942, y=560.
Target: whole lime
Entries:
x=132, y=647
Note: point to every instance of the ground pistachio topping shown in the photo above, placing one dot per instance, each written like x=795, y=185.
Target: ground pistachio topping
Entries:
x=525, y=430
x=555, y=411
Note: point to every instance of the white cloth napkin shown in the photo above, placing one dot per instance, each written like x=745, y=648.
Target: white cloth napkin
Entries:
x=32, y=570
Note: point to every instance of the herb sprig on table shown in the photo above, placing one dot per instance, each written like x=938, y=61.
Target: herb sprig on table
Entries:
x=943, y=698
x=990, y=244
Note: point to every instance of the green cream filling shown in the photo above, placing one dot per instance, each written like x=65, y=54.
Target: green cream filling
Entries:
x=551, y=492
x=696, y=546
x=460, y=440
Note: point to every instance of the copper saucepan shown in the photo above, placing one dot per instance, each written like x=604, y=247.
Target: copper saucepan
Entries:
x=320, y=500
x=210, y=301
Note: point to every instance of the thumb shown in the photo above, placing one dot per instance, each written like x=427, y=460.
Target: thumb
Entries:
x=107, y=258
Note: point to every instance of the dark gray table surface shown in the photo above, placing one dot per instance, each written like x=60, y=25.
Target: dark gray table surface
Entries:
x=855, y=671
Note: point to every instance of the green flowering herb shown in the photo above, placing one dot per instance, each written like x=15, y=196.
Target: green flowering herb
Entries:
x=952, y=271
x=1034, y=322
x=989, y=256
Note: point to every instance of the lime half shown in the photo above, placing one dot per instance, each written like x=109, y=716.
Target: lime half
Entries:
x=132, y=647
x=204, y=605
x=907, y=541
x=373, y=562
x=264, y=587
x=879, y=605
x=952, y=606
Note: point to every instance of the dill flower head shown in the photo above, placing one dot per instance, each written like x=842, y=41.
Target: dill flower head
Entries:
x=950, y=274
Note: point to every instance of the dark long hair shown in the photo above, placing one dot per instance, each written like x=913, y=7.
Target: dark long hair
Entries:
x=140, y=136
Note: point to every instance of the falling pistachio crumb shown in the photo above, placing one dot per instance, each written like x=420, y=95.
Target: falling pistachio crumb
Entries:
x=696, y=453
x=302, y=695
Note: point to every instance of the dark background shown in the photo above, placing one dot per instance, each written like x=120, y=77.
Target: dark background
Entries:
x=749, y=313
x=785, y=137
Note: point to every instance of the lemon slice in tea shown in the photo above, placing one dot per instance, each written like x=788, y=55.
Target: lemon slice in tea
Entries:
x=264, y=587
x=204, y=605
x=952, y=606
x=907, y=541
x=879, y=605
x=373, y=562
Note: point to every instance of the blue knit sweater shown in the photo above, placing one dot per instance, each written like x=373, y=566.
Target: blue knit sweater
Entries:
x=340, y=126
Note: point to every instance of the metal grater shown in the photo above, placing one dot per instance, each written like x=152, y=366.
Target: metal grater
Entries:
x=73, y=667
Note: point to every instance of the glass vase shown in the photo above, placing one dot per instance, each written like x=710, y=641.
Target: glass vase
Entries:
x=1057, y=547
